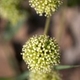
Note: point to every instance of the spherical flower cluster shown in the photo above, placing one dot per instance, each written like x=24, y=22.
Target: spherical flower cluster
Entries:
x=8, y=10
x=45, y=6
x=53, y=75
x=41, y=53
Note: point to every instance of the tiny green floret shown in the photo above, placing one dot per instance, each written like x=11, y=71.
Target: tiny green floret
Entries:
x=41, y=53
x=45, y=6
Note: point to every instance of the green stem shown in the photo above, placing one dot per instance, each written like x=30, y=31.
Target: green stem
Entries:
x=47, y=26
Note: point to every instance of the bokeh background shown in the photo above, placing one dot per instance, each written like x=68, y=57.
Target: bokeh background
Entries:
x=64, y=25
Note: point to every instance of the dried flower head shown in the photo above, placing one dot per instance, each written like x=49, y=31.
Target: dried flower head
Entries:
x=53, y=75
x=41, y=53
x=8, y=10
x=45, y=6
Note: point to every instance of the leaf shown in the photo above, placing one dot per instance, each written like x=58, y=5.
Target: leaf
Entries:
x=61, y=67
x=3, y=78
x=23, y=76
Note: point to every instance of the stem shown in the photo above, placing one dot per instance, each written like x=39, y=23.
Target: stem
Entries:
x=47, y=26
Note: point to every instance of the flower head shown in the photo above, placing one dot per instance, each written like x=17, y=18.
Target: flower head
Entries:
x=53, y=75
x=41, y=53
x=8, y=10
x=45, y=6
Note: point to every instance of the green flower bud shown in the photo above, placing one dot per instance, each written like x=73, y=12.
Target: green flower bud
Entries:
x=41, y=53
x=8, y=10
x=53, y=75
x=45, y=6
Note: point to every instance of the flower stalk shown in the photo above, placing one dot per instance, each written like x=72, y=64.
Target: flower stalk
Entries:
x=47, y=25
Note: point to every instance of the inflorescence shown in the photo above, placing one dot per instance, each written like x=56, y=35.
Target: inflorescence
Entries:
x=53, y=75
x=41, y=53
x=45, y=6
x=9, y=10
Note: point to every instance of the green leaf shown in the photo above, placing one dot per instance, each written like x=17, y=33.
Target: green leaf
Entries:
x=3, y=78
x=23, y=76
x=61, y=67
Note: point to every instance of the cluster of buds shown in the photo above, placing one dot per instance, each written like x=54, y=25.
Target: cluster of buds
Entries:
x=53, y=75
x=8, y=10
x=41, y=53
x=45, y=6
